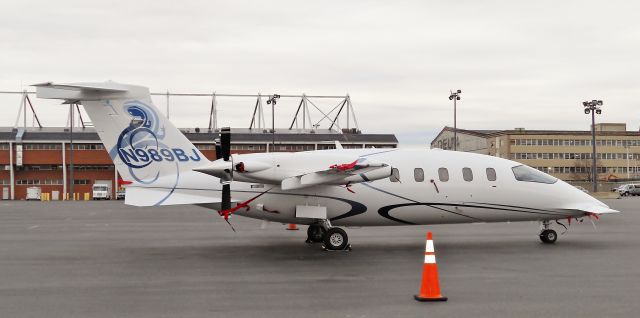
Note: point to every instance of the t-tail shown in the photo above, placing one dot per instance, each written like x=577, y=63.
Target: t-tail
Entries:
x=144, y=145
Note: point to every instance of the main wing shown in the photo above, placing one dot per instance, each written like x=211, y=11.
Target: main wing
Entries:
x=360, y=170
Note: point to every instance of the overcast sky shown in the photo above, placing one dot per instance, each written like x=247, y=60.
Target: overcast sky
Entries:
x=519, y=63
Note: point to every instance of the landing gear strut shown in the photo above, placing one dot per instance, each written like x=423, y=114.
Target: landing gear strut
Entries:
x=548, y=236
x=334, y=238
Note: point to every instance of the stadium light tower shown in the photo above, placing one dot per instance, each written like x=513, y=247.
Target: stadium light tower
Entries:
x=455, y=96
x=593, y=108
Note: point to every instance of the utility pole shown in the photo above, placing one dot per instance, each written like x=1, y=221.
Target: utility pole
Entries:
x=71, y=123
x=593, y=108
x=455, y=97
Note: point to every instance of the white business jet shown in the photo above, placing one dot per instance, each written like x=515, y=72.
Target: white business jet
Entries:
x=322, y=189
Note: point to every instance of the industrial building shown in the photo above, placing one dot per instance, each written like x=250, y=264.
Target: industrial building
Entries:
x=562, y=153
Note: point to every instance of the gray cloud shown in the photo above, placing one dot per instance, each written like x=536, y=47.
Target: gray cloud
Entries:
x=519, y=63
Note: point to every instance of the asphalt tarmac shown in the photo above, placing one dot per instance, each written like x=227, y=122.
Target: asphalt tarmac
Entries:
x=105, y=259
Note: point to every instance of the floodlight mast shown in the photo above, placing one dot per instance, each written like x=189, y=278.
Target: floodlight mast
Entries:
x=273, y=100
x=593, y=108
x=455, y=96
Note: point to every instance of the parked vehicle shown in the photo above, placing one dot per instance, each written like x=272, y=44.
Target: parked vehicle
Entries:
x=34, y=193
x=101, y=191
x=625, y=190
x=120, y=194
x=634, y=189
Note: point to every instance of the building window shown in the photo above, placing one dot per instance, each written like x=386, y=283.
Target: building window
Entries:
x=491, y=174
x=467, y=174
x=93, y=168
x=443, y=174
x=81, y=181
x=395, y=175
x=206, y=147
x=42, y=146
x=418, y=174
x=88, y=147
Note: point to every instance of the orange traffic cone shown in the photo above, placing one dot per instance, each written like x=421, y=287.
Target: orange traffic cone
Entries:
x=430, y=287
x=292, y=227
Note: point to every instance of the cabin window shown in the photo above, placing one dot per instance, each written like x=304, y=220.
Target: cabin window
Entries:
x=528, y=174
x=418, y=174
x=395, y=175
x=467, y=174
x=443, y=174
x=491, y=174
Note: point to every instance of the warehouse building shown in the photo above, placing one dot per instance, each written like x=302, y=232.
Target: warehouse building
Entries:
x=41, y=157
x=561, y=153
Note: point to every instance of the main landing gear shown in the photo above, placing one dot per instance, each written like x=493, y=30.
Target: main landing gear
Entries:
x=547, y=235
x=334, y=238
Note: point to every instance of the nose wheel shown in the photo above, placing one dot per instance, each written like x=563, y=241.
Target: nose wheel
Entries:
x=548, y=236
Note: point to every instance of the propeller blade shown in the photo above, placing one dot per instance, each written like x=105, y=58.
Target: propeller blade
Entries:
x=225, y=143
x=218, y=149
x=226, y=196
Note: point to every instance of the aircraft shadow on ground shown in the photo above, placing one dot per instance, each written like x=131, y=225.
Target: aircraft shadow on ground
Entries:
x=278, y=250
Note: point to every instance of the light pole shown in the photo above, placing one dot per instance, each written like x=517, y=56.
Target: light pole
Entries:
x=626, y=146
x=272, y=100
x=593, y=108
x=455, y=97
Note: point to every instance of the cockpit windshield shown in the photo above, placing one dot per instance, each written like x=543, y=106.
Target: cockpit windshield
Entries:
x=528, y=174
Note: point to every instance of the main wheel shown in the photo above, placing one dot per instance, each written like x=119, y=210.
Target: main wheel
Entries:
x=336, y=239
x=315, y=233
x=548, y=236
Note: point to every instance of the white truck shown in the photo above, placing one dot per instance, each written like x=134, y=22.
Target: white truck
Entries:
x=101, y=191
x=34, y=193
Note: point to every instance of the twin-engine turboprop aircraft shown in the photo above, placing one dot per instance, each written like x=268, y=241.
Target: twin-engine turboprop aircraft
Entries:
x=322, y=189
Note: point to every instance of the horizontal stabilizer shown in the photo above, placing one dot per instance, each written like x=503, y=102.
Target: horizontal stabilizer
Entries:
x=85, y=91
x=102, y=87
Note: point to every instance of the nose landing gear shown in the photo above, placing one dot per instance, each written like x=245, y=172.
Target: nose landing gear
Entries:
x=547, y=235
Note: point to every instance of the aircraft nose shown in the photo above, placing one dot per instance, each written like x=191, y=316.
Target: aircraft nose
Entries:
x=576, y=199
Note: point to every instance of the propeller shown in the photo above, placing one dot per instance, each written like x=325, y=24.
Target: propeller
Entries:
x=223, y=151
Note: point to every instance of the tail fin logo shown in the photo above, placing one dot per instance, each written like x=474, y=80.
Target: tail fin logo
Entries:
x=143, y=142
